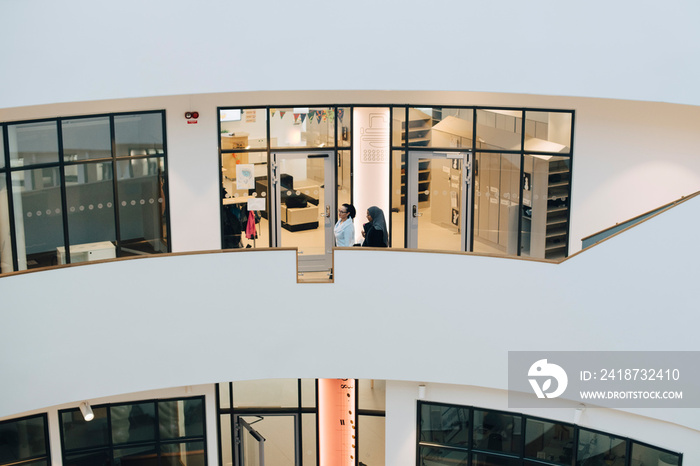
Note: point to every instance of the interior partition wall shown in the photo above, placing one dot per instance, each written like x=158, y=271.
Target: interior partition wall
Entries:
x=469, y=436
x=83, y=188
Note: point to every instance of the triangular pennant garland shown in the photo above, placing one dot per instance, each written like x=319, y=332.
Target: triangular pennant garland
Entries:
x=303, y=117
x=282, y=114
x=341, y=111
x=324, y=115
x=319, y=115
x=272, y=111
x=296, y=117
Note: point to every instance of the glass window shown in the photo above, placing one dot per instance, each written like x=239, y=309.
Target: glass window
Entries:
x=22, y=440
x=6, y=262
x=371, y=432
x=224, y=395
x=94, y=458
x=86, y=138
x=436, y=127
x=141, y=190
x=181, y=418
x=178, y=454
x=398, y=120
x=38, y=217
x=90, y=204
x=308, y=393
x=497, y=431
x=597, y=447
x=244, y=177
x=343, y=114
x=498, y=129
x=2, y=148
x=344, y=177
x=138, y=134
x=308, y=429
x=436, y=456
x=80, y=434
x=481, y=459
x=644, y=454
x=303, y=127
x=444, y=424
x=398, y=198
x=549, y=441
x=497, y=196
x=548, y=132
x=143, y=456
x=268, y=392
x=371, y=394
x=33, y=143
x=243, y=128
x=133, y=423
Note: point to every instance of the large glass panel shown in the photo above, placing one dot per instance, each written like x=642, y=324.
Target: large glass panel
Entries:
x=38, y=219
x=447, y=425
x=86, y=138
x=598, y=448
x=437, y=127
x=33, y=143
x=344, y=177
x=244, y=176
x=95, y=458
x=497, y=431
x=224, y=395
x=6, y=262
x=138, y=134
x=371, y=435
x=226, y=440
x=548, y=132
x=553, y=442
x=371, y=394
x=2, y=148
x=303, y=127
x=308, y=393
x=435, y=456
x=308, y=433
x=266, y=393
x=138, y=456
x=279, y=434
x=498, y=129
x=344, y=126
x=90, y=203
x=243, y=128
x=133, y=423
x=141, y=188
x=181, y=418
x=497, y=196
x=22, y=439
x=481, y=459
x=545, y=206
x=398, y=120
x=79, y=433
x=398, y=199
x=183, y=454
x=643, y=454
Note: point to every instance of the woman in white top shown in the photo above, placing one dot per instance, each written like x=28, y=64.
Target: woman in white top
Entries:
x=344, y=229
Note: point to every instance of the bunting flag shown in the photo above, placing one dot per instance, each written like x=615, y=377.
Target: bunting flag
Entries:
x=319, y=115
x=296, y=117
x=325, y=116
x=303, y=117
x=311, y=115
x=341, y=111
x=272, y=111
x=331, y=115
x=282, y=114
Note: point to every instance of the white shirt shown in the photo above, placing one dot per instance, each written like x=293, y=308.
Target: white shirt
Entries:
x=344, y=233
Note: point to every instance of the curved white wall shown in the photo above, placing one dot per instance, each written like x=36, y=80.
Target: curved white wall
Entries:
x=449, y=319
x=73, y=50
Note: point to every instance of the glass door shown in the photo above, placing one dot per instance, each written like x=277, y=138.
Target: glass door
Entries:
x=439, y=200
x=270, y=439
x=304, y=194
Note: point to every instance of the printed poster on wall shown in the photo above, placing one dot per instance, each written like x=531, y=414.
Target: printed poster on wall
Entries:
x=244, y=176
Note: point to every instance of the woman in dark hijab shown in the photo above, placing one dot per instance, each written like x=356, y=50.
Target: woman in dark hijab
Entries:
x=375, y=231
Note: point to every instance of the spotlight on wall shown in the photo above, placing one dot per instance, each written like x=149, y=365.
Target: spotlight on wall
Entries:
x=577, y=414
x=85, y=408
x=421, y=392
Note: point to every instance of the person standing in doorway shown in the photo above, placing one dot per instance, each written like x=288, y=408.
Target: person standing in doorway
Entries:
x=375, y=231
x=344, y=229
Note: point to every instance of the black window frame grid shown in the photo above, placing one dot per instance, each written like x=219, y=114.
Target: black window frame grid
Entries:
x=47, y=443
x=61, y=165
x=157, y=442
x=521, y=458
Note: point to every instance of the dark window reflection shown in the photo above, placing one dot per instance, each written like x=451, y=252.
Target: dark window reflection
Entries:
x=497, y=431
x=549, y=441
x=22, y=439
x=182, y=418
x=133, y=423
x=447, y=425
x=79, y=433
x=598, y=448
x=95, y=458
x=435, y=456
x=177, y=454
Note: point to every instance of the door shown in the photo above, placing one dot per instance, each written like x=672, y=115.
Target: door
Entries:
x=304, y=197
x=266, y=439
x=439, y=200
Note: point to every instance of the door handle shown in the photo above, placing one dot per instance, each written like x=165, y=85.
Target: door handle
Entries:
x=328, y=212
x=415, y=212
